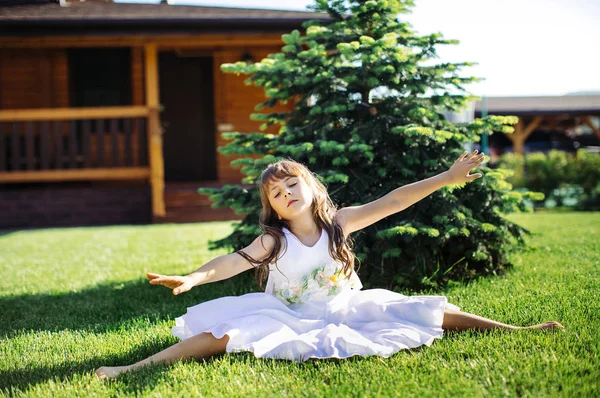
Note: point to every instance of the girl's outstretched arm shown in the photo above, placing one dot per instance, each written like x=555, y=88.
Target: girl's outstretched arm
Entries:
x=354, y=218
x=218, y=269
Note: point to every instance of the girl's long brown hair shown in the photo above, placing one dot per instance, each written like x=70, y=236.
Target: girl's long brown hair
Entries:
x=323, y=211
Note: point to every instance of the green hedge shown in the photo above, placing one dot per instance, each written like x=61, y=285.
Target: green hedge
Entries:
x=571, y=180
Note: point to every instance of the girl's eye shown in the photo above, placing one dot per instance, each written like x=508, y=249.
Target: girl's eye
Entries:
x=276, y=195
x=293, y=184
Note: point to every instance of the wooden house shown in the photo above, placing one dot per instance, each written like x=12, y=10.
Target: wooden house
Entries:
x=111, y=113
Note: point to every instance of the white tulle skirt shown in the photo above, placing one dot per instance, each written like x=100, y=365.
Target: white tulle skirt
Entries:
x=354, y=322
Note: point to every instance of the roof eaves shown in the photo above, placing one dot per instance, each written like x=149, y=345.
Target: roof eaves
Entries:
x=533, y=111
x=158, y=21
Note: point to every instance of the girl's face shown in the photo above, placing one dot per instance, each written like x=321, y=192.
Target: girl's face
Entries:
x=290, y=197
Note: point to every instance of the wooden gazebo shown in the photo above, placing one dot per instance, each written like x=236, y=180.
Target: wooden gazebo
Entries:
x=561, y=113
x=112, y=112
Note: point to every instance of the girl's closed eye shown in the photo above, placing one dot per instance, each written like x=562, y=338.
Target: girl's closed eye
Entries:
x=291, y=185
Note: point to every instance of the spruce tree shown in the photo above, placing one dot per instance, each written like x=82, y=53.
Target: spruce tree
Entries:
x=368, y=116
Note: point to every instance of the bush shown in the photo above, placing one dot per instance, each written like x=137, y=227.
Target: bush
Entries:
x=587, y=176
x=564, y=179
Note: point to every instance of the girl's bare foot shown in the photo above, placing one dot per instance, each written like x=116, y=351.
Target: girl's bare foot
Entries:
x=547, y=326
x=106, y=372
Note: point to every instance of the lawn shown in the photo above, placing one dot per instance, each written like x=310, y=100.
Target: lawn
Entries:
x=72, y=300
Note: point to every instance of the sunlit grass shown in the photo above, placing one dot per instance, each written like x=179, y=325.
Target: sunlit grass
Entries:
x=75, y=299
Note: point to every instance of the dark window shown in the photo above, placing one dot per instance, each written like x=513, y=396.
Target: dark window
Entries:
x=100, y=77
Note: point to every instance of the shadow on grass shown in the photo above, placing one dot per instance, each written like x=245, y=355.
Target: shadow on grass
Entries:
x=20, y=380
x=106, y=307
x=141, y=380
x=137, y=382
x=8, y=231
x=99, y=309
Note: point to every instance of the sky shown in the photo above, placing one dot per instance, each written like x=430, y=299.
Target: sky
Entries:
x=522, y=47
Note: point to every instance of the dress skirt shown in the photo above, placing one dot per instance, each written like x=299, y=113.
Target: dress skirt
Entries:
x=353, y=322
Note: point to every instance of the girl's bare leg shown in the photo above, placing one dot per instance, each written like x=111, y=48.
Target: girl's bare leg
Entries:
x=199, y=346
x=458, y=320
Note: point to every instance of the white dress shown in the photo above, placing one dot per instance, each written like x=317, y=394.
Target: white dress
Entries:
x=309, y=310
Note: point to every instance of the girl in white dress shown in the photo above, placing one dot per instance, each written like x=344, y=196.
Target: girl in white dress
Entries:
x=312, y=306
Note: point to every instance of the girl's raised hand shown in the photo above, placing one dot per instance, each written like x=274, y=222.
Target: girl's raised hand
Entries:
x=459, y=172
x=179, y=284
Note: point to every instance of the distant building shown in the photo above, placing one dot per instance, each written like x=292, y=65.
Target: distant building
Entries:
x=561, y=122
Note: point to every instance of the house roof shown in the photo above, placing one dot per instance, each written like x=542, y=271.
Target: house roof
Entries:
x=51, y=16
x=573, y=104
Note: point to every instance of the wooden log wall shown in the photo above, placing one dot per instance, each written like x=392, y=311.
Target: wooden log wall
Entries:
x=234, y=102
x=33, y=78
x=38, y=78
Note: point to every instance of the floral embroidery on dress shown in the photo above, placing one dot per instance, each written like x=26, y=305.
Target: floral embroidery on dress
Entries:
x=322, y=282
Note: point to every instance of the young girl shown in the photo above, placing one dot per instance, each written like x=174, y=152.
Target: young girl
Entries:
x=312, y=306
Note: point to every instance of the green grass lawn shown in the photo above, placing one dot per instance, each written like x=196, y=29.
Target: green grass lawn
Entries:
x=72, y=300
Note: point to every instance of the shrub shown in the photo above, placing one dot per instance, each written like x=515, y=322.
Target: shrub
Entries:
x=564, y=179
x=587, y=175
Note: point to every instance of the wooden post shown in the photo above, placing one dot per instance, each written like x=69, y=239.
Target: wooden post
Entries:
x=517, y=138
x=588, y=122
x=157, y=173
x=520, y=134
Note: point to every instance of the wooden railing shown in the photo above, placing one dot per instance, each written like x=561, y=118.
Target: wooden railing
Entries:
x=62, y=144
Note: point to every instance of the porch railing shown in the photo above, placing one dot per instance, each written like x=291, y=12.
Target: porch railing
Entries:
x=62, y=144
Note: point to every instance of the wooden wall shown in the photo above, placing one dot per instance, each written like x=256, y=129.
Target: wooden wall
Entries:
x=33, y=78
x=38, y=78
x=137, y=76
x=234, y=102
